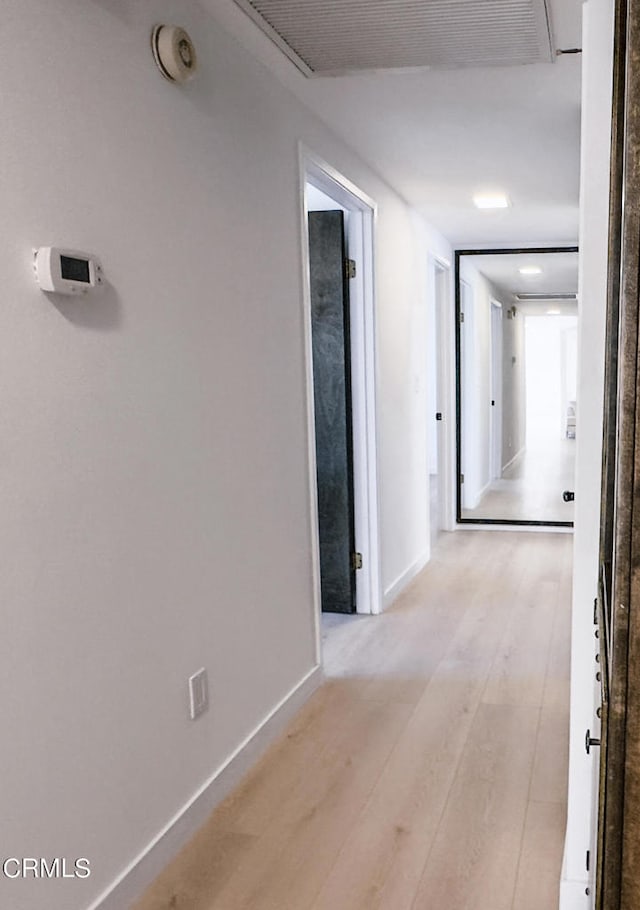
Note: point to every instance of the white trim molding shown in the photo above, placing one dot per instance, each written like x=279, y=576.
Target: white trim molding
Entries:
x=403, y=580
x=574, y=896
x=511, y=460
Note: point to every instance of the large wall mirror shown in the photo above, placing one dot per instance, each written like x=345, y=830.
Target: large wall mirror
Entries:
x=516, y=351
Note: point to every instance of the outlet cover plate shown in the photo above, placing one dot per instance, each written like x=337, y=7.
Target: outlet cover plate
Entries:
x=198, y=693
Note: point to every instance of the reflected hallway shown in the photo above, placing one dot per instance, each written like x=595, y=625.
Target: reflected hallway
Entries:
x=532, y=485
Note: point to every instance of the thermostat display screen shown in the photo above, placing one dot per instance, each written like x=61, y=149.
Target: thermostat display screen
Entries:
x=74, y=269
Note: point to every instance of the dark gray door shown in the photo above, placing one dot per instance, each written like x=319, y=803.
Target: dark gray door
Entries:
x=332, y=397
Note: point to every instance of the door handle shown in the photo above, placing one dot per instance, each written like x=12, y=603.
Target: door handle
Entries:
x=590, y=741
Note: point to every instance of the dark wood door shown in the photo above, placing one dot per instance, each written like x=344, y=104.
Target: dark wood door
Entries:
x=618, y=870
x=332, y=398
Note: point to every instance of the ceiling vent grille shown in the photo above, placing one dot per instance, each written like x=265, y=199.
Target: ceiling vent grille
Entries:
x=334, y=37
x=561, y=296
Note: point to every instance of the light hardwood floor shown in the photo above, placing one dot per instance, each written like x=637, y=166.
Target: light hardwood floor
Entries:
x=429, y=771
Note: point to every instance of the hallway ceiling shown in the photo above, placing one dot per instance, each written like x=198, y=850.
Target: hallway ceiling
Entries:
x=440, y=135
x=558, y=275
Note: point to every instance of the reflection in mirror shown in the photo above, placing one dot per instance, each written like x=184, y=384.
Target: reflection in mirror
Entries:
x=516, y=410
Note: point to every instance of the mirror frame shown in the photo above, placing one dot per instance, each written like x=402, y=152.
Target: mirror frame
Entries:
x=489, y=521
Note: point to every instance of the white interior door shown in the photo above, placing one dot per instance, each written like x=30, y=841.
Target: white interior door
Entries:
x=496, y=390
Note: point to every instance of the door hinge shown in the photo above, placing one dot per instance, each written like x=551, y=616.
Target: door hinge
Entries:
x=350, y=268
x=438, y=415
x=356, y=561
x=461, y=317
x=462, y=478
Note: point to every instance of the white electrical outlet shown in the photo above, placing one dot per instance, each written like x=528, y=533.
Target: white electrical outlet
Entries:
x=198, y=693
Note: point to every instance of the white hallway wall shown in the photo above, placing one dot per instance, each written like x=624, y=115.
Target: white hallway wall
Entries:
x=154, y=485
x=476, y=382
x=596, y=138
x=403, y=335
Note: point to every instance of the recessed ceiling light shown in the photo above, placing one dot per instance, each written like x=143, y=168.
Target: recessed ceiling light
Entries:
x=530, y=270
x=491, y=201
x=553, y=312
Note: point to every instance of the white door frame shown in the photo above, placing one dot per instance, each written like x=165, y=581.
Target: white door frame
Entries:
x=446, y=390
x=362, y=214
x=468, y=413
x=496, y=389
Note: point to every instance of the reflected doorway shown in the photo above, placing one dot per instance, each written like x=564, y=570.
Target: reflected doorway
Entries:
x=437, y=313
x=516, y=351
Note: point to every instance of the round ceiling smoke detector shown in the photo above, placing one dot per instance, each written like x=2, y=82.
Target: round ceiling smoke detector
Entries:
x=174, y=52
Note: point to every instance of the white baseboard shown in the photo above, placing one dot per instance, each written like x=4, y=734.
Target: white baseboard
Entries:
x=511, y=460
x=482, y=492
x=145, y=868
x=573, y=895
x=401, y=582
x=472, y=502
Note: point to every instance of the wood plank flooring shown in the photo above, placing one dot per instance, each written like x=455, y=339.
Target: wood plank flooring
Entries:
x=429, y=771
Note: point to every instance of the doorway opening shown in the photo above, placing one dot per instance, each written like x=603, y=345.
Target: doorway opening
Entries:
x=550, y=422
x=338, y=208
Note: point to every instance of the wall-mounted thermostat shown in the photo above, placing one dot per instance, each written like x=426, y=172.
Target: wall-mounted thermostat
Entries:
x=66, y=271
